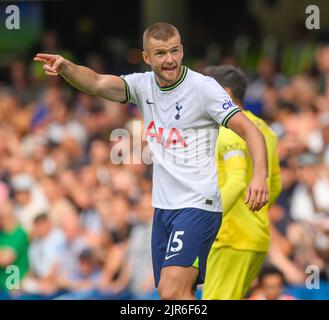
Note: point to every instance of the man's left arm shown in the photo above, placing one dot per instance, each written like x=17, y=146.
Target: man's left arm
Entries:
x=257, y=191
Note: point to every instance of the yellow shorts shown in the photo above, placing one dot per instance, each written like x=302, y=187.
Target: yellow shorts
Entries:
x=230, y=273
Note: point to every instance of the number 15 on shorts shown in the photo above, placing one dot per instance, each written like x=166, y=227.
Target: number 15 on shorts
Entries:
x=175, y=242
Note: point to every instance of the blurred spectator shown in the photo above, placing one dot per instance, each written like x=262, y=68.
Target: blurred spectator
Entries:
x=29, y=199
x=118, y=227
x=265, y=78
x=75, y=242
x=13, y=246
x=322, y=63
x=44, y=254
x=298, y=54
x=85, y=282
x=271, y=286
x=139, y=251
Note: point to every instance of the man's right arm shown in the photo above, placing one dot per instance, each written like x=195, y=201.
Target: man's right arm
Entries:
x=86, y=80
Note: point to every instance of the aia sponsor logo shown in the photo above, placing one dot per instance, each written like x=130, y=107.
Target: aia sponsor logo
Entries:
x=173, y=138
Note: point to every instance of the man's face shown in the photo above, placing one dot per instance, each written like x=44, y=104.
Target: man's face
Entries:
x=86, y=266
x=42, y=228
x=165, y=59
x=272, y=286
x=22, y=197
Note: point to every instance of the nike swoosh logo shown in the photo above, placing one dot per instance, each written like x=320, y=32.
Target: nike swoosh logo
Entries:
x=149, y=102
x=173, y=255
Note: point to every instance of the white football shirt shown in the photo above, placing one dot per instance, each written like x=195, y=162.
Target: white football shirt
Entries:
x=181, y=127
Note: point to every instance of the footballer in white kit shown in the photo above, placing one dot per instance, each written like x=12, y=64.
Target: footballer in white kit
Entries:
x=182, y=112
x=181, y=127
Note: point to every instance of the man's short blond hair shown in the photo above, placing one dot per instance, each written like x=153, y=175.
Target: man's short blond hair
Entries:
x=160, y=31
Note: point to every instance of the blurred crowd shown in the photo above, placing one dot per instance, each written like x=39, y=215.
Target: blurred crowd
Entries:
x=297, y=108
x=78, y=226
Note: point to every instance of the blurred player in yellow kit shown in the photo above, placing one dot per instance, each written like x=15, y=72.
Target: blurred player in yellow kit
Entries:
x=241, y=245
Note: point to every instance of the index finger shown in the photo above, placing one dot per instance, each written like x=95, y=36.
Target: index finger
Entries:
x=40, y=59
x=45, y=56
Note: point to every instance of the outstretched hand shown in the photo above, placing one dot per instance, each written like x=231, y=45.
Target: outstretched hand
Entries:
x=51, y=63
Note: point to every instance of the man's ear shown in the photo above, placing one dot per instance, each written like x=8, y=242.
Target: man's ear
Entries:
x=229, y=91
x=146, y=58
x=182, y=51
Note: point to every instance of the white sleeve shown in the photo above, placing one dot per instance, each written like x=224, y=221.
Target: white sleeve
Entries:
x=132, y=81
x=218, y=104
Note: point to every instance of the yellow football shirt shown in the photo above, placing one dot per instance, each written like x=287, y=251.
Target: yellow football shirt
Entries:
x=241, y=228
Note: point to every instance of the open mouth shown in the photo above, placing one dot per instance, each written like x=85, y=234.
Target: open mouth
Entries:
x=172, y=68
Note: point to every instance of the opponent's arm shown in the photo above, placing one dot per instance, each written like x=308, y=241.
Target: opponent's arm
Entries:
x=106, y=86
x=257, y=191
